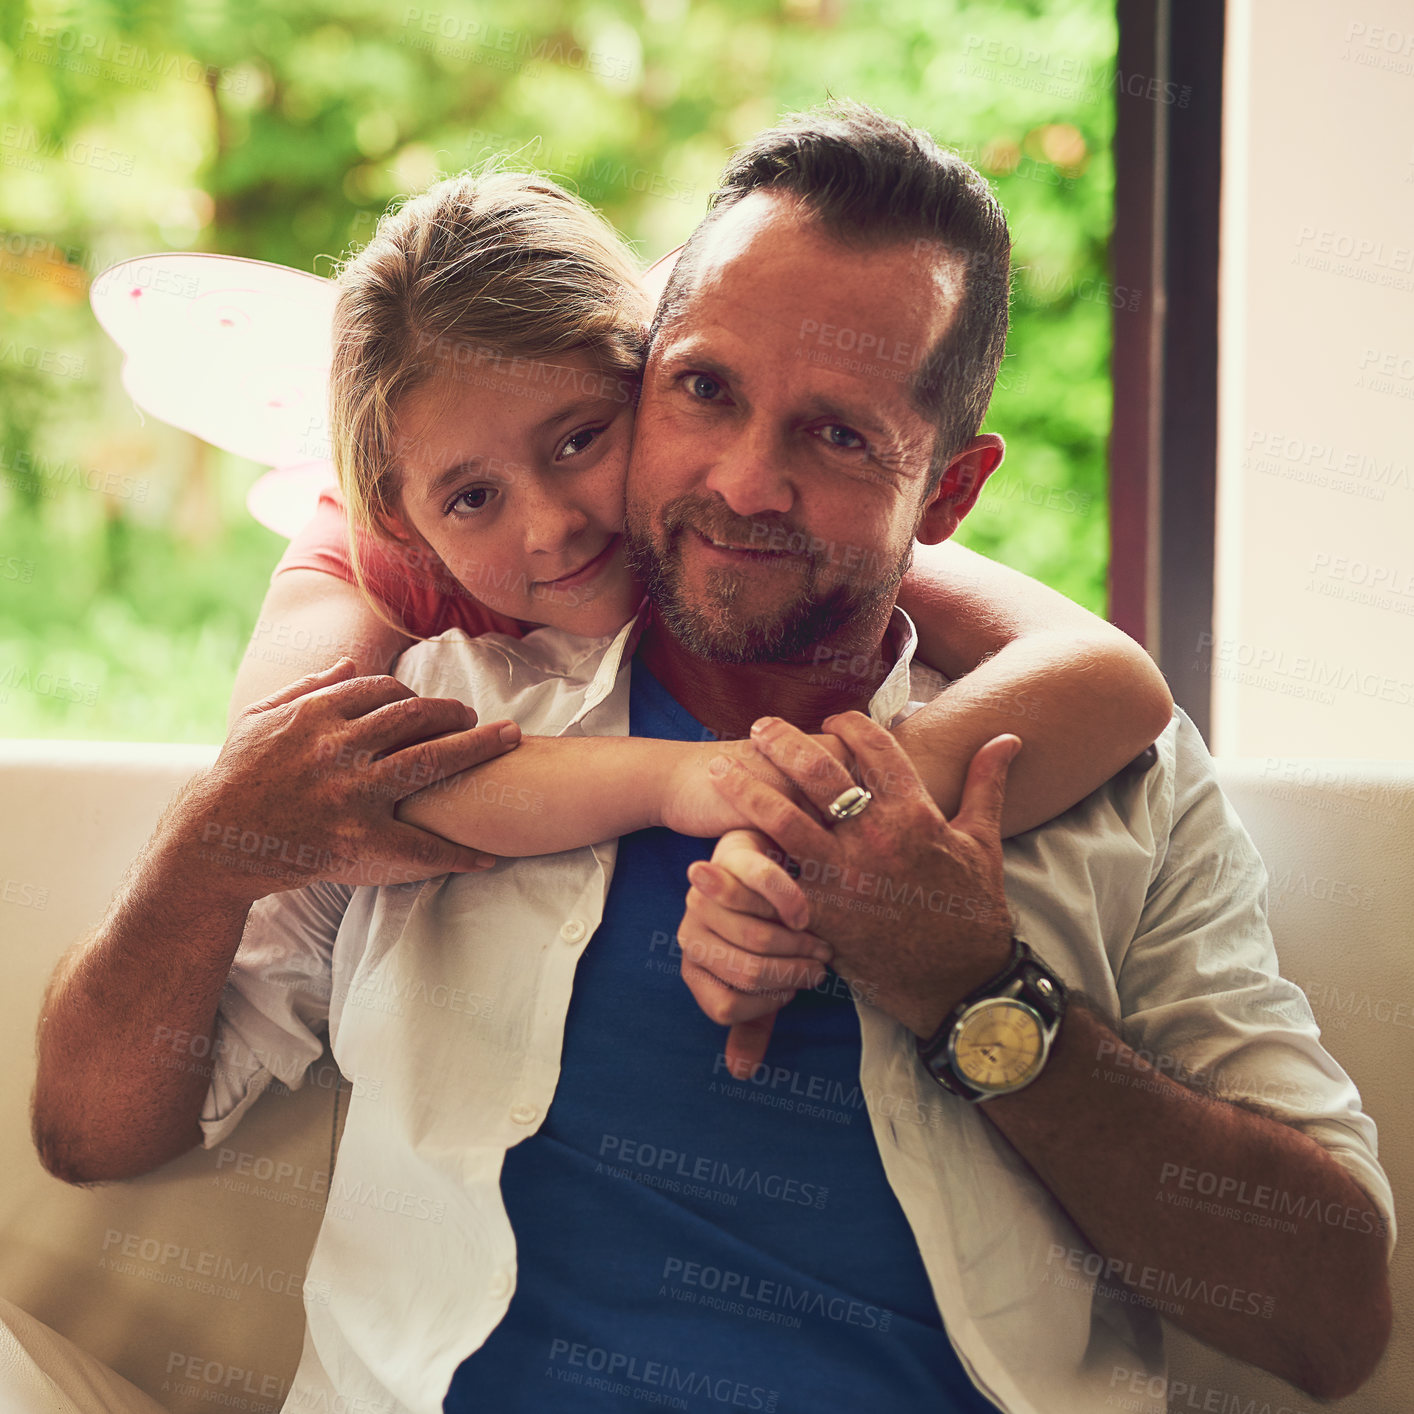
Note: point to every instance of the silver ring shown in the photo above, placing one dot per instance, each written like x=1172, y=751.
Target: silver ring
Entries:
x=849, y=803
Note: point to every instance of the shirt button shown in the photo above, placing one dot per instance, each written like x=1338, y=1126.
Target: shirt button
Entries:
x=500, y=1285
x=573, y=931
x=523, y=1114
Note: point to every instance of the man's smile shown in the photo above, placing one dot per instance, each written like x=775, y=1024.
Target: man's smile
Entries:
x=732, y=552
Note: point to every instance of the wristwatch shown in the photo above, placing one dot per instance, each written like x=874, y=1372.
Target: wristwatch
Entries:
x=996, y=1039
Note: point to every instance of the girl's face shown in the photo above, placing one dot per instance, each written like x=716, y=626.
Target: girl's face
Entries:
x=513, y=474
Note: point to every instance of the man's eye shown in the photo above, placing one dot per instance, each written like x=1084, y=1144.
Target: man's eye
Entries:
x=578, y=442
x=703, y=386
x=468, y=502
x=838, y=435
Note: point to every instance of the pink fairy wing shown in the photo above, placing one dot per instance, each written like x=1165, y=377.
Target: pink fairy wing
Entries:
x=656, y=276
x=284, y=500
x=234, y=351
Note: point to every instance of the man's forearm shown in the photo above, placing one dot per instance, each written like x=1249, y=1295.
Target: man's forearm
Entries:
x=1122, y=1146
x=124, y=1054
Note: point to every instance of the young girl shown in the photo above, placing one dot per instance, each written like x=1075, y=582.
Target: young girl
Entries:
x=494, y=328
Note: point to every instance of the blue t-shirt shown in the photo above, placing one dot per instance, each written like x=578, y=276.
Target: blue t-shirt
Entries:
x=693, y=1242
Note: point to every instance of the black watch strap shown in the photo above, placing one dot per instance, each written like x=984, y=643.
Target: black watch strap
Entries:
x=1025, y=978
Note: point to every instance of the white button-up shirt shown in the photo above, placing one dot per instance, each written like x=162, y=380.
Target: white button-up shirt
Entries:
x=445, y=1004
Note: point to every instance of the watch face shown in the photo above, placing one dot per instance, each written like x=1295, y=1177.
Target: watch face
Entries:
x=998, y=1044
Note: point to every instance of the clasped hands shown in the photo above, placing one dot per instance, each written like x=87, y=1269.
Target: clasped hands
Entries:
x=906, y=906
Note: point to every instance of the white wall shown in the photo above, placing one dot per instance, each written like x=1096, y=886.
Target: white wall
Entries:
x=1314, y=633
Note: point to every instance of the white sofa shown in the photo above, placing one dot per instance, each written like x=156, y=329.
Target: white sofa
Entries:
x=188, y=1281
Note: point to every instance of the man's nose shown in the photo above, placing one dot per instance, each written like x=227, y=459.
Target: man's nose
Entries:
x=750, y=472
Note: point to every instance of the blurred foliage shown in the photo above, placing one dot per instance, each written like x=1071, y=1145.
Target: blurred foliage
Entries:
x=130, y=572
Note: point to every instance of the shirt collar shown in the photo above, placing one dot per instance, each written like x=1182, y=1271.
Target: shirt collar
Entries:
x=893, y=694
x=620, y=648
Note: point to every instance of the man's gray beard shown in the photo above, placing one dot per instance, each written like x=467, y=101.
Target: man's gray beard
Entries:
x=788, y=636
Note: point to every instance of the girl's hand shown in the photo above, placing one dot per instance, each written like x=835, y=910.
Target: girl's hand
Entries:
x=693, y=805
x=744, y=942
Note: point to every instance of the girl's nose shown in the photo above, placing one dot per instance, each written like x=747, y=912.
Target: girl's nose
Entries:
x=551, y=522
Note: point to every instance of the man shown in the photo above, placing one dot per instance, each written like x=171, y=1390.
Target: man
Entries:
x=959, y=1235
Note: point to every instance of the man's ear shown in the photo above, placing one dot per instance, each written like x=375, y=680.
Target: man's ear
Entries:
x=962, y=481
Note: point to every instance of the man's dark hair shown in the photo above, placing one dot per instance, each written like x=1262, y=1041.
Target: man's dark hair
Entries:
x=871, y=181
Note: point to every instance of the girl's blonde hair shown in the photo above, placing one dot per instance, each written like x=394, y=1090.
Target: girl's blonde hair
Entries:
x=482, y=265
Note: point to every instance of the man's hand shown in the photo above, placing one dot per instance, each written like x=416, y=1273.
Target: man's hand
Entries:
x=305, y=787
x=912, y=905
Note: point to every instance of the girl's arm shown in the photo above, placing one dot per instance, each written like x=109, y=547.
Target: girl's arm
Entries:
x=561, y=792
x=310, y=620
x=1084, y=698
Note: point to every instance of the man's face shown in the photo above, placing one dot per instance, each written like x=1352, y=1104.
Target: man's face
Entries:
x=777, y=471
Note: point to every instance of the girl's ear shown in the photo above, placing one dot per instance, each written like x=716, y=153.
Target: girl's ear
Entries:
x=403, y=542
x=398, y=527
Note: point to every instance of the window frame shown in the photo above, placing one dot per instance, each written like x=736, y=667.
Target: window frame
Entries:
x=1163, y=440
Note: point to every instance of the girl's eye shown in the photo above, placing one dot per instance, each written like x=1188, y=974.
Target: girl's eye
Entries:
x=838, y=435
x=578, y=442
x=703, y=386
x=470, y=501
